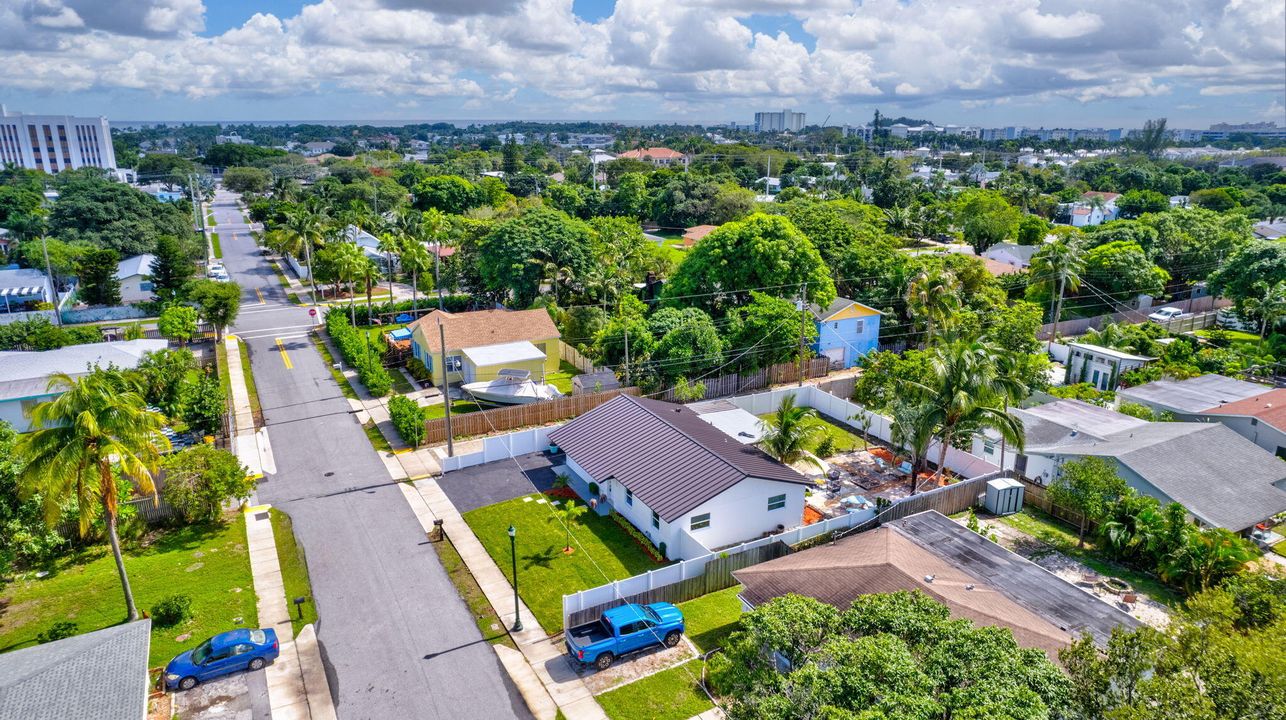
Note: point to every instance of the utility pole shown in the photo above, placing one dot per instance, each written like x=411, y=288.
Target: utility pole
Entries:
x=803, y=324
x=768, y=177
x=446, y=389
x=626, y=330
x=53, y=284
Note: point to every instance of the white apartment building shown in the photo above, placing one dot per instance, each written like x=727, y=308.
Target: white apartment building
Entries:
x=783, y=121
x=55, y=142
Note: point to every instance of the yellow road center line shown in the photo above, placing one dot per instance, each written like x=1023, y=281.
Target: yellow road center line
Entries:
x=259, y=293
x=285, y=357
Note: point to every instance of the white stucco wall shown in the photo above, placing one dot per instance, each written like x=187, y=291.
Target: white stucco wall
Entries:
x=741, y=512
x=132, y=291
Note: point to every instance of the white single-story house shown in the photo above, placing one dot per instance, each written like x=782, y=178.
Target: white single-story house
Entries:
x=24, y=376
x=1223, y=479
x=20, y=288
x=1013, y=254
x=135, y=276
x=683, y=482
x=1100, y=366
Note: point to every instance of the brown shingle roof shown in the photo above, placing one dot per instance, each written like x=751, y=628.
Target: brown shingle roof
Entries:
x=997, y=268
x=1269, y=407
x=697, y=232
x=1042, y=610
x=479, y=328
x=665, y=454
x=658, y=153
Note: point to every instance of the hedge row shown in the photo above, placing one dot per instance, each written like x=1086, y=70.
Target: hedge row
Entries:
x=450, y=303
x=408, y=417
x=359, y=352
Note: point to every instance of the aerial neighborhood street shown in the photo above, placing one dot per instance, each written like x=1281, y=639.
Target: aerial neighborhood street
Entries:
x=878, y=360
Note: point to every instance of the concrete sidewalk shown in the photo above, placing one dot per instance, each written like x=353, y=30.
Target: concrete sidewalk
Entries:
x=249, y=444
x=297, y=685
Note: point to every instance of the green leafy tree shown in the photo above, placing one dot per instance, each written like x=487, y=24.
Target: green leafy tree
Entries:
x=171, y=269
x=204, y=405
x=1268, y=304
x=98, y=282
x=790, y=431
x=511, y=157
x=64, y=258
x=1032, y=230
x=568, y=514
x=117, y=217
x=1261, y=261
x=1134, y=203
x=200, y=479
x=93, y=440
x=218, y=303
x=887, y=376
x=177, y=322
x=1152, y=137
x=448, y=193
x=514, y=256
x=691, y=347
x=1191, y=242
x=985, y=218
x=769, y=329
x=1122, y=270
x=631, y=198
x=762, y=252
x=247, y=180
x=1090, y=486
x=25, y=537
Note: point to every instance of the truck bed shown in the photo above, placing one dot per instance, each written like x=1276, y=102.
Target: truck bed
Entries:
x=588, y=634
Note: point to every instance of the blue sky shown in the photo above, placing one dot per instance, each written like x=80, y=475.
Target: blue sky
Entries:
x=992, y=62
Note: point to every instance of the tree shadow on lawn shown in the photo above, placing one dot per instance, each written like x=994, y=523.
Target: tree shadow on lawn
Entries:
x=542, y=558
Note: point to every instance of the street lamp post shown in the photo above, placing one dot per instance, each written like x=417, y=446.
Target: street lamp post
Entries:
x=513, y=552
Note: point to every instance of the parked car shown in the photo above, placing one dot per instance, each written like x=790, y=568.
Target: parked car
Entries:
x=624, y=630
x=223, y=654
x=1165, y=314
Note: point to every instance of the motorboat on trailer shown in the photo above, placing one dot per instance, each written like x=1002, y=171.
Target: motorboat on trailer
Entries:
x=511, y=387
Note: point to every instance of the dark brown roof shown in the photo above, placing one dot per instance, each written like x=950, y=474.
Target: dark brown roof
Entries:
x=1041, y=609
x=664, y=453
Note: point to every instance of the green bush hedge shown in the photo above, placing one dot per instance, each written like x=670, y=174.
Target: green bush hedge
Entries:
x=408, y=417
x=357, y=351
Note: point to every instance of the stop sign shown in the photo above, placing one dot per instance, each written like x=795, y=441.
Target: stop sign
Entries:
x=312, y=312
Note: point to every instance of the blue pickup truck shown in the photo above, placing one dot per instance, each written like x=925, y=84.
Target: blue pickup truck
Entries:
x=623, y=630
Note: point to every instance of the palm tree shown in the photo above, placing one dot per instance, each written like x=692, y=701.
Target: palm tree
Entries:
x=931, y=298
x=790, y=432
x=305, y=225
x=568, y=514
x=434, y=229
x=1269, y=303
x=369, y=273
x=968, y=393
x=95, y=435
x=913, y=429
x=350, y=262
x=1058, y=265
x=390, y=245
x=902, y=221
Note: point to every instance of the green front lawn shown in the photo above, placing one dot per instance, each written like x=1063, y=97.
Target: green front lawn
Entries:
x=294, y=571
x=673, y=694
x=603, y=552
x=1062, y=537
x=208, y=563
x=1235, y=337
x=563, y=378
x=710, y=619
x=458, y=407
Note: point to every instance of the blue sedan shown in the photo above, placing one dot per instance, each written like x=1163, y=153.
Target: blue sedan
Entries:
x=223, y=654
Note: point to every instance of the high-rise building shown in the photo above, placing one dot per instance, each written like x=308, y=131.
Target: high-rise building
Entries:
x=783, y=121
x=55, y=142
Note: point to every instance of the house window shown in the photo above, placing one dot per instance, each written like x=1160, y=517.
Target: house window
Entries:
x=454, y=363
x=629, y=497
x=859, y=326
x=145, y=286
x=988, y=447
x=835, y=326
x=1254, y=421
x=701, y=521
x=656, y=520
x=777, y=502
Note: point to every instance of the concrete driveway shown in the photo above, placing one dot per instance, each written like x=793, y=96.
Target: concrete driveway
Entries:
x=243, y=696
x=493, y=482
x=396, y=639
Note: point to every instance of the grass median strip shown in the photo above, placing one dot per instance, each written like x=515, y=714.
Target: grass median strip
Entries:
x=294, y=571
x=484, y=615
x=249, y=375
x=214, y=243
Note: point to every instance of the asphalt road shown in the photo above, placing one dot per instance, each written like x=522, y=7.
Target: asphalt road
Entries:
x=397, y=640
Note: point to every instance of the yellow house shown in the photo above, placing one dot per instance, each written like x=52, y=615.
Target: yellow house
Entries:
x=481, y=343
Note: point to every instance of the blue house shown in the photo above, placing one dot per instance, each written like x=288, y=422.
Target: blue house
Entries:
x=846, y=331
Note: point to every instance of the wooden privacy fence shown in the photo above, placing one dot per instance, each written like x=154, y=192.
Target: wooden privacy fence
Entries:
x=947, y=500
x=783, y=373
x=1038, y=496
x=567, y=353
x=672, y=583
x=485, y=422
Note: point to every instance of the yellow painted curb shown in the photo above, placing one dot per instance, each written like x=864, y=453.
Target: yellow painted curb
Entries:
x=255, y=508
x=403, y=452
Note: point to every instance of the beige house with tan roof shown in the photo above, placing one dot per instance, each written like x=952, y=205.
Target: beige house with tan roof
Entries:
x=481, y=343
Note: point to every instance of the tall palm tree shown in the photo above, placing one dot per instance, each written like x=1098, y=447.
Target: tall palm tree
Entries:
x=415, y=257
x=790, y=431
x=1269, y=303
x=1058, y=265
x=931, y=297
x=434, y=228
x=306, y=225
x=390, y=245
x=913, y=429
x=369, y=273
x=966, y=393
x=97, y=434
x=350, y=262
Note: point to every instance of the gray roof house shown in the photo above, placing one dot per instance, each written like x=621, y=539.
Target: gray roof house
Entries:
x=101, y=675
x=1191, y=396
x=1011, y=254
x=683, y=482
x=1223, y=479
x=24, y=376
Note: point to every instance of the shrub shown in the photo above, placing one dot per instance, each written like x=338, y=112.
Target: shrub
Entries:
x=1138, y=410
x=826, y=447
x=450, y=303
x=357, y=351
x=418, y=369
x=172, y=610
x=200, y=479
x=593, y=489
x=408, y=417
x=58, y=631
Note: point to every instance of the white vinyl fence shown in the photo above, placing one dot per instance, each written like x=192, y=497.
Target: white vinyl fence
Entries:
x=502, y=447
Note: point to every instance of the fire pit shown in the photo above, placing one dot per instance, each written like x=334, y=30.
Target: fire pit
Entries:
x=1116, y=586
